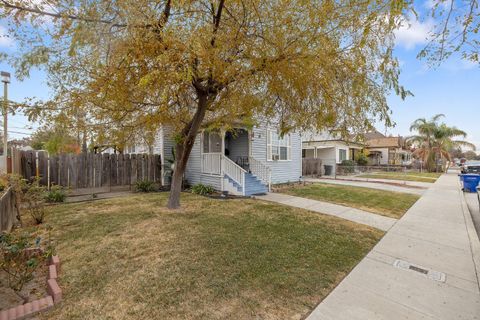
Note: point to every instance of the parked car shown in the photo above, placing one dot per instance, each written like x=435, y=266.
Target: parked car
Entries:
x=471, y=167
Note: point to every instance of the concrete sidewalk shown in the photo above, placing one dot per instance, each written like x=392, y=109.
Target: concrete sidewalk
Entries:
x=352, y=214
x=425, y=267
x=371, y=185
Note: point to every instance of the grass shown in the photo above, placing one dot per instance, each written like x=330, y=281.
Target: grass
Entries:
x=386, y=203
x=130, y=258
x=409, y=176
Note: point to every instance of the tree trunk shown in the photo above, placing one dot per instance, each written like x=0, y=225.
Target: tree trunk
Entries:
x=183, y=149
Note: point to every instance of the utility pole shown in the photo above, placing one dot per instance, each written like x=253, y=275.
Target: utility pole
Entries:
x=6, y=80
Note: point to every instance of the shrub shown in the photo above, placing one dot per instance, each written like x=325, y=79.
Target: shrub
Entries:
x=19, y=259
x=145, y=186
x=202, y=189
x=19, y=186
x=3, y=182
x=349, y=163
x=361, y=159
x=56, y=194
x=347, y=166
x=34, y=199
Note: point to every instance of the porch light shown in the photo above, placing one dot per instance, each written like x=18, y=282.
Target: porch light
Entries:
x=5, y=77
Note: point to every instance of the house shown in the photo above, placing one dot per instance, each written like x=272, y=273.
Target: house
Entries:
x=242, y=161
x=388, y=151
x=330, y=147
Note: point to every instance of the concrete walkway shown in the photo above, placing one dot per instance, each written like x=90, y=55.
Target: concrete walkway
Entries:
x=355, y=215
x=371, y=185
x=419, y=184
x=425, y=267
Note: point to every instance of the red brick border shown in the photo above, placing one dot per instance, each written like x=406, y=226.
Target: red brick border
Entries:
x=55, y=296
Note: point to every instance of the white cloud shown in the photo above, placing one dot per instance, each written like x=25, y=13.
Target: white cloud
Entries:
x=457, y=64
x=413, y=32
x=5, y=39
x=442, y=4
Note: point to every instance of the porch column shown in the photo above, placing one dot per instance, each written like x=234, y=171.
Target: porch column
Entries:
x=222, y=135
x=250, y=134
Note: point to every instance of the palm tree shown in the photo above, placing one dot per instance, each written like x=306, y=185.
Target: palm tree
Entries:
x=434, y=140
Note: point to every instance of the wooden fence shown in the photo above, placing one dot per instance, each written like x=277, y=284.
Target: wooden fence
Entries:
x=88, y=170
x=8, y=210
x=311, y=167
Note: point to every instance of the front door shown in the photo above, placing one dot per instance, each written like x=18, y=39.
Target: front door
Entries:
x=237, y=147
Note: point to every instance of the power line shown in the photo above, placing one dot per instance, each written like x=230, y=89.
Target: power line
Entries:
x=24, y=133
x=22, y=128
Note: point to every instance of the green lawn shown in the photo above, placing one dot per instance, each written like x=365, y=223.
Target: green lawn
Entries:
x=130, y=258
x=409, y=176
x=386, y=203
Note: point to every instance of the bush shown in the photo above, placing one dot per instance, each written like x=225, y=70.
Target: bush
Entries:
x=145, y=186
x=202, y=189
x=56, y=194
x=349, y=163
x=362, y=159
x=19, y=259
x=34, y=199
x=347, y=166
x=4, y=182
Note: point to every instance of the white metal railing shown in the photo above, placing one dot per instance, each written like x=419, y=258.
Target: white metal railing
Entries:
x=218, y=164
x=211, y=163
x=234, y=172
x=260, y=170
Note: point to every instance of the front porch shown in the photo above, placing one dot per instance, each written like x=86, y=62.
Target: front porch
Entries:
x=226, y=155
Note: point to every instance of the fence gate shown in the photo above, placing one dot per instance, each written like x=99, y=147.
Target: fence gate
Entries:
x=88, y=170
x=311, y=167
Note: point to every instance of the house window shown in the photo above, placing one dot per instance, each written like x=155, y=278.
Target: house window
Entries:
x=212, y=142
x=342, y=154
x=278, y=148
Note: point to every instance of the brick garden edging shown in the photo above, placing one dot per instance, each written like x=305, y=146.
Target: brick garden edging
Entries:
x=55, y=296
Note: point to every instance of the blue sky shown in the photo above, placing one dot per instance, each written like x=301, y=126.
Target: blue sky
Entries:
x=452, y=88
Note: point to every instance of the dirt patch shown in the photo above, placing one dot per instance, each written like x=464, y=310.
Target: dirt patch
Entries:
x=32, y=290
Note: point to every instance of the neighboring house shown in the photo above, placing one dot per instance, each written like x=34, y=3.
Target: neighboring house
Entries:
x=388, y=151
x=242, y=161
x=329, y=147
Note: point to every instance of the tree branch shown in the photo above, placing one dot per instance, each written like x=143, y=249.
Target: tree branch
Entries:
x=59, y=15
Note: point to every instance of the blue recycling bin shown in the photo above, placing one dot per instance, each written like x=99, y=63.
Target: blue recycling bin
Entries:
x=470, y=182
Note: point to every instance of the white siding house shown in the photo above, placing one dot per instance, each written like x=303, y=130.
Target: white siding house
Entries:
x=329, y=147
x=243, y=161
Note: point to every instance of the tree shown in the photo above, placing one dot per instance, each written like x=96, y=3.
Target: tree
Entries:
x=55, y=140
x=434, y=140
x=134, y=65
x=456, y=30
x=456, y=153
x=470, y=155
x=459, y=154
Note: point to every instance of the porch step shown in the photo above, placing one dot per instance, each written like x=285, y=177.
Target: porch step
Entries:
x=252, y=185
